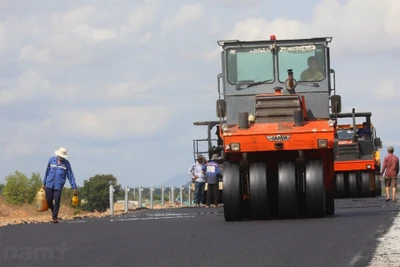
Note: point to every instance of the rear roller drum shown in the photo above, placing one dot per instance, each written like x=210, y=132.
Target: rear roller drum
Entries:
x=287, y=190
x=365, y=192
x=378, y=185
x=353, y=190
x=231, y=192
x=340, y=188
x=258, y=191
x=315, y=190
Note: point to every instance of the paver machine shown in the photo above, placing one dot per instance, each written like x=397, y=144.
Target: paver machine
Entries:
x=209, y=146
x=274, y=105
x=357, y=159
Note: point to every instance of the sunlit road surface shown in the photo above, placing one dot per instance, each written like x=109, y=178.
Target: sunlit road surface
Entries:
x=201, y=237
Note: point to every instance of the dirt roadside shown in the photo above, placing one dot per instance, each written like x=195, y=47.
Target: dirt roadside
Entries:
x=27, y=214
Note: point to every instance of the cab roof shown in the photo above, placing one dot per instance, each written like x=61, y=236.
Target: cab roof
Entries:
x=325, y=40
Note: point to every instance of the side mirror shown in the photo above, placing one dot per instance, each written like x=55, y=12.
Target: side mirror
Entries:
x=336, y=104
x=221, y=108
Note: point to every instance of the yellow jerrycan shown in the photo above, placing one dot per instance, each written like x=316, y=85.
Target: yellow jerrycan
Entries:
x=41, y=203
x=75, y=199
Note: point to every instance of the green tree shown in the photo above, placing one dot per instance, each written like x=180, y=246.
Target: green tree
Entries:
x=17, y=189
x=95, y=192
x=35, y=183
x=1, y=188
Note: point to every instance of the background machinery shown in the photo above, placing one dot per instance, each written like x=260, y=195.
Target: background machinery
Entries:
x=357, y=160
x=209, y=146
x=275, y=99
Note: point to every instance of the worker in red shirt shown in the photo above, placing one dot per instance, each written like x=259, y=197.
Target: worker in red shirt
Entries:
x=391, y=166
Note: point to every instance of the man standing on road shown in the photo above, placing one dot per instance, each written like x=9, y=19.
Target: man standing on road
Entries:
x=212, y=172
x=391, y=166
x=196, y=172
x=58, y=169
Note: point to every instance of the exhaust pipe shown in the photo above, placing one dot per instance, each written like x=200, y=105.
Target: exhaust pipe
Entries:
x=354, y=126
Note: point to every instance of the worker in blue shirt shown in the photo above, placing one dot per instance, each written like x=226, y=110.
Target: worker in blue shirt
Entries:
x=212, y=173
x=364, y=131
x=58, y=169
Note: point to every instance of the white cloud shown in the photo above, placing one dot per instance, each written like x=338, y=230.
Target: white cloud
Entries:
x=16, y=148
x=187, y=14
x=141, y=18
x=25, y=88
x=3, y=38
x=29, y=52
x=386, y=91
x=129, y=89
x=92, y=34
x=354, y=26
x=114, y=122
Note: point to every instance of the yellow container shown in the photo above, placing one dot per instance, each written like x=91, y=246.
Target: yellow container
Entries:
x=75, y=199
x=41, y=203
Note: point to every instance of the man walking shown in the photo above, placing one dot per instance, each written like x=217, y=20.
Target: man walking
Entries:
x=212, y=172
x=58, y=169
x=391, y=166
x=197, y=175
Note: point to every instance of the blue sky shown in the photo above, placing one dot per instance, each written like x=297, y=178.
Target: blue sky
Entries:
x=119, y=82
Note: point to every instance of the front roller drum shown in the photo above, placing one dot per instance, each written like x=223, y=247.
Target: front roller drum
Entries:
x=231, y=193
x=258, y=191
x=315, y=189
x=287, y=190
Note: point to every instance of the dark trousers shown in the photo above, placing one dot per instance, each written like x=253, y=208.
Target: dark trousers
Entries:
x=198, y=192
x=212, y=193
x=56, y=195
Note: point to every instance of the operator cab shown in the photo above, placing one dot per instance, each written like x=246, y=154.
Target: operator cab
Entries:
x=252, y=68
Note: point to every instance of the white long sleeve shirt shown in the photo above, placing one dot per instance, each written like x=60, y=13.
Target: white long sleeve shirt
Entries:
x=196, y=170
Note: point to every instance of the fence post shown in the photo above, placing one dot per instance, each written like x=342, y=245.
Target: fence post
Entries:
x=126, y=199
x=181, y=195
x=172, y=196
x=140, y=197
x=151, y=197
x=162, y=196
x=189, y=198
x=111, y=199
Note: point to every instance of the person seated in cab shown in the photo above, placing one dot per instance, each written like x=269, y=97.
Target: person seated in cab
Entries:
x=312, y=73
x=364, y=131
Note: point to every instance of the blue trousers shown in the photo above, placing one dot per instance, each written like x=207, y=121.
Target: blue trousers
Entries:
x=56, y=195
x=199, y=192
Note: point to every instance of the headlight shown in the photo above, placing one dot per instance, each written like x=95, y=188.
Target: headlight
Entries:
x=322, y=143
x=369, y=166
x=331, y=123
x=225, y=127
x=235, y=146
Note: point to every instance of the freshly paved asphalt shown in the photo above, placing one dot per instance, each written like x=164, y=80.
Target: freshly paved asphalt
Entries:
x=201, y=237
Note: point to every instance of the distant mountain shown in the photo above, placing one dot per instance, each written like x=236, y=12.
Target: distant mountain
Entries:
x=178, y=180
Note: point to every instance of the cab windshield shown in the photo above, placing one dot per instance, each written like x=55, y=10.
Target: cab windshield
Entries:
x=345, y=134
x=250, y=65
x=306, y=61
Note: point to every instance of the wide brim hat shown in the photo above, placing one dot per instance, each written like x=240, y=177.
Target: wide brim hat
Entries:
x=200, y=156
x=61, y=152
x=215, y=156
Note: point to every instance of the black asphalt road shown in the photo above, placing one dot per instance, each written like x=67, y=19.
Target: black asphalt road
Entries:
x=201, y=237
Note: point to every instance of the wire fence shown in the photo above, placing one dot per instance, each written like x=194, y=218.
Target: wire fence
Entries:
x=153, y=197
